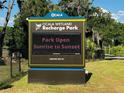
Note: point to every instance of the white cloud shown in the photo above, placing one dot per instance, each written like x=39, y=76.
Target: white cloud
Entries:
x=120, y=13
x=114, y=16
x=10, y=23
x=104, y=10
x=119, y=16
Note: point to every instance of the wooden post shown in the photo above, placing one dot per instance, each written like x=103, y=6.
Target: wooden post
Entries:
x=19, y=63
x=109, y=49
x=11, y=66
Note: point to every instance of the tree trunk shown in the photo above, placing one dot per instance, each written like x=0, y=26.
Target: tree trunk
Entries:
x=2, y=35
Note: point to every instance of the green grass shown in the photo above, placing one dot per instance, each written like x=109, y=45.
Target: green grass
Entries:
x=107, y=77
x=5, y=71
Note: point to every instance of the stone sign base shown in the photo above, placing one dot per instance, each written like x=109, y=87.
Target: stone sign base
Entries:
x=56, y=75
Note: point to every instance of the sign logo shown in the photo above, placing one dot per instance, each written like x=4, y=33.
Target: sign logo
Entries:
x=37, y=26
x=56, y=15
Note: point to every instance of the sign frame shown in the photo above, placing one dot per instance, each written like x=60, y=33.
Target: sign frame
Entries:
x=69, y=19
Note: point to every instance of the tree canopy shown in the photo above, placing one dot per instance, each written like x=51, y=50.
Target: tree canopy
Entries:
x=98, y=21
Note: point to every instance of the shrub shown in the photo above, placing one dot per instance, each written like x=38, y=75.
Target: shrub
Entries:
x=117, y=50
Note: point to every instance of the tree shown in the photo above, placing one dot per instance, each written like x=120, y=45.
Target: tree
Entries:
x=35, y=8
x=2, y=35
x=110, y=30
x=97, y=20
x=76, y=7
x=100, y=25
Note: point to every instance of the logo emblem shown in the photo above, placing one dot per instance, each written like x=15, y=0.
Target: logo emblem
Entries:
x=37, y=26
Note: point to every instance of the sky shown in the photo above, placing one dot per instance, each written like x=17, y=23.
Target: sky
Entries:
x=116, y=7
x=15, y=10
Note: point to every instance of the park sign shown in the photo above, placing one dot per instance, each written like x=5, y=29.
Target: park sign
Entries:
x=56, y=41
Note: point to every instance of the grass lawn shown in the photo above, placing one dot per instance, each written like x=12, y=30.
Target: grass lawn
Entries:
x=5, y=71
x=107, y=77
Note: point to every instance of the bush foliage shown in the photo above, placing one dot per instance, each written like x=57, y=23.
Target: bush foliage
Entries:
x=117, y=50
